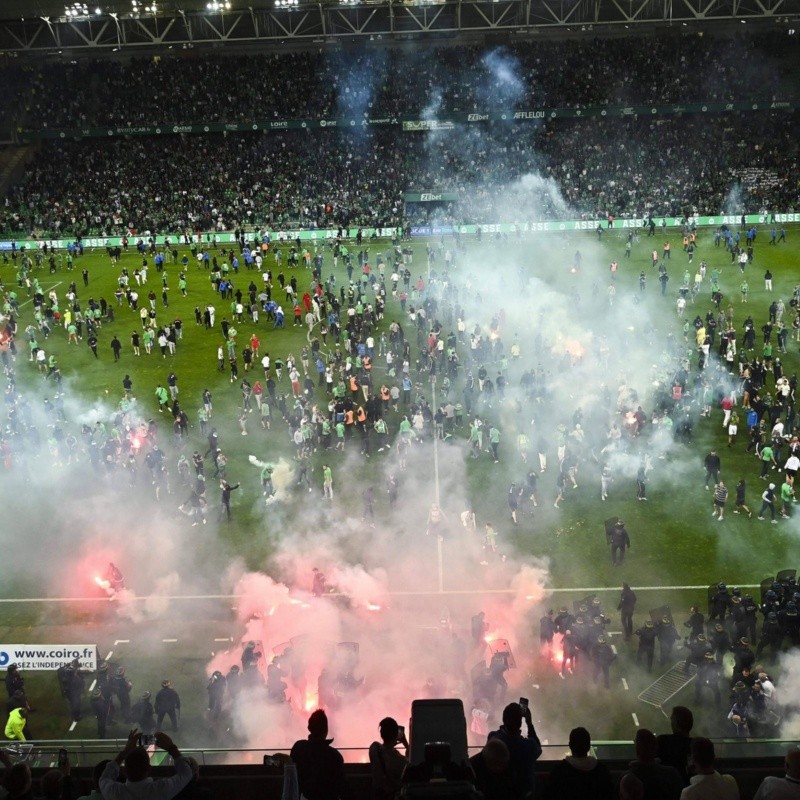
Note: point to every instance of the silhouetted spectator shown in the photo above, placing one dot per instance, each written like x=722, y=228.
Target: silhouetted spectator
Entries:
x=674, y=748
x=387, y=764
x=580, y=775
x=320, y=767
x=660, y=782
x=707, y=783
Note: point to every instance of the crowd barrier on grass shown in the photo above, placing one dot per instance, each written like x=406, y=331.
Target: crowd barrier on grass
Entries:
x=489, y=228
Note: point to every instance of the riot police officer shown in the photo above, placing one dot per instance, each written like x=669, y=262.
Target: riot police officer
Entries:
x=771, y=635
x=14, y=680
x=121, y=687
x=75, y=687
x=167, y=704
x=750, y=609
x=276, y=686
x=697, y=651
x=100, y=706
x=647, y=643
x=708, y=675
x=720, y=641
x=626, y=605
x=720, y=603
x=216, y=694
x=602, y=658
x=143, y=714
x=234, y=681
x=667, y=636
x=695, y=623
x=563, y=620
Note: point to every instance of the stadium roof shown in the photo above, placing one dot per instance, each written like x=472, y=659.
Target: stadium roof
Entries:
x=70, y=27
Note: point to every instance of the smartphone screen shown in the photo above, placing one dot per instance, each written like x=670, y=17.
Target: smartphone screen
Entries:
x=523, y=701
x=401, y=733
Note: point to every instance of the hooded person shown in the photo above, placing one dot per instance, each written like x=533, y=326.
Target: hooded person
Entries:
x=580, y=774
x=320, y=767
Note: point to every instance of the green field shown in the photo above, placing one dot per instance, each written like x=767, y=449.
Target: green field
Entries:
x=69, y=520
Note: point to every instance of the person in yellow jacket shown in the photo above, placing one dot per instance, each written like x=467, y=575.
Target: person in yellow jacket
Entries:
x=16, y=724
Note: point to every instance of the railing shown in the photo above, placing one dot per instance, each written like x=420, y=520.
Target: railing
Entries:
x=88, y=752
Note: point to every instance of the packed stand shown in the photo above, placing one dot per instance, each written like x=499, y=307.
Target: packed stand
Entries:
x=381, y=82
x=328, y=178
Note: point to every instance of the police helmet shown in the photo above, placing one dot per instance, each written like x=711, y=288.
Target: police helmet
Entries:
x=748, y=597
x=708, y=656
x=648, y=623
x=97, y=693
x=737, y=592
x=666, y=620
x=146, y=695
x=597, y=620
x=601, y=640
x=166, y=683
x=579, y=620
x=701, y=638
x=722, y=587
x=583, y=608
x=120, y=672
x=791, y=606
x=776, y=587
x=744, y=641
x=718, y=628
x=102, y=667
x=772, y=616
x=235, y=668
x=216, y=675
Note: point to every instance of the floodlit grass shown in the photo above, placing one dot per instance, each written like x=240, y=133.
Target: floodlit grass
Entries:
x=675, y=541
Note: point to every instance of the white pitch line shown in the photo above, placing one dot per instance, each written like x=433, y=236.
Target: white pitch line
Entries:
x=73, y=726
x=121, y=641
x=635, y=720
x=471, y=592
x=108, y=657
x=614, y=649
x=92, y=685
x=48, y=289
x=225, y=639
x=625, y=684
x=169, y=641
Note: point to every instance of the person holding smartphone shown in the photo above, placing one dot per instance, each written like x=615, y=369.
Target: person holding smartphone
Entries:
x=524, y=750
x=386, y=761
x=137, y=768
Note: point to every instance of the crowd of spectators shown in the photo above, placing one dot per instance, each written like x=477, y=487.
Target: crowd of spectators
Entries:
x=674, y=766
x=196, y=87
x=501, y=172
x=673, y=165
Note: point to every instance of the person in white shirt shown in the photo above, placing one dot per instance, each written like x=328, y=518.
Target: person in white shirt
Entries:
x=137, y=769
x=707, y=783
x=785, y=788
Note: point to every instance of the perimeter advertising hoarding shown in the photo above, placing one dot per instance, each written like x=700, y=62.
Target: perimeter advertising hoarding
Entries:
x=48, y=656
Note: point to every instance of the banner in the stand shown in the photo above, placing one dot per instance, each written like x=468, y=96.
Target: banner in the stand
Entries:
x=446, y=121
x=430, y=197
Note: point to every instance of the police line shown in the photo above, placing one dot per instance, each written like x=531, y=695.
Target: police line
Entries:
x=48, y=656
